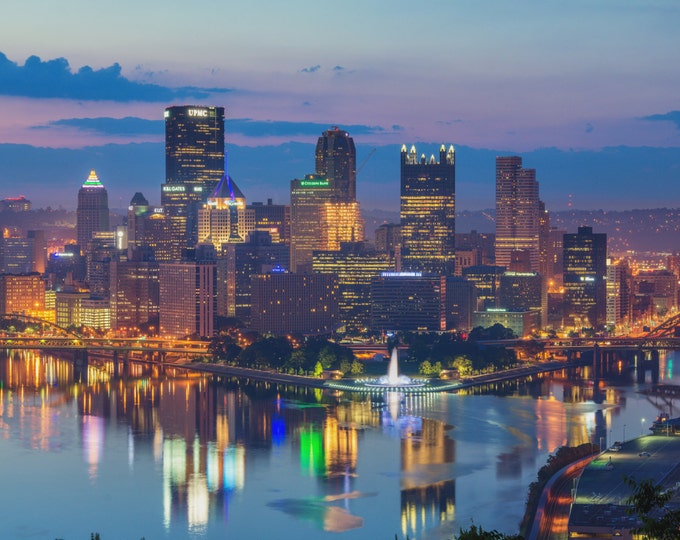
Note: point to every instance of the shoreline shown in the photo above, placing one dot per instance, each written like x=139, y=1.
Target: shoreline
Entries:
x=301, y=380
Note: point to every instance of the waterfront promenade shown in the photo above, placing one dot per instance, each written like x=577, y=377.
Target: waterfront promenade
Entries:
x=283, y=378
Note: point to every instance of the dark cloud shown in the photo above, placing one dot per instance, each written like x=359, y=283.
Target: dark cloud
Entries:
x=311, y=69
x=338, y=68
x=590, y=128
x=129, y=125
x=257, y=128
x=672, y=116
x=55, y=79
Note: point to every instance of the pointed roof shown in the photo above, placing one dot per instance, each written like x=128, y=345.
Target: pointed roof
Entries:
x=227, y=189
x=139, y=200
x=93, y=181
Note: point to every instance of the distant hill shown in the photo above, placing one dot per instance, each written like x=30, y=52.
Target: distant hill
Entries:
x=637, y=230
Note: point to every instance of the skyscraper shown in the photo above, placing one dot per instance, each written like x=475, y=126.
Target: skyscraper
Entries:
x=194, y=165
x=221, y=220
x=92, y=214
x=336, y=160
x=517, y=212
x=194, y=145
x=428, y=211
x=585, y=273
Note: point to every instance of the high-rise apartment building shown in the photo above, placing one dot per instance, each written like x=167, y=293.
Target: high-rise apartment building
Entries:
x=428, y=211
x=517, y=213
x=336, y=160
x=194, y=165
x=92, y=214
x=585, y=273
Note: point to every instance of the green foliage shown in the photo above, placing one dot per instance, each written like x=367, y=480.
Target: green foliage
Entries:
x=428, y=369
x=497, y=331
x=463, y=364
x=447, y=348
x=648, y=502
x=357, y=368
x=318, y=369
x=478, y=533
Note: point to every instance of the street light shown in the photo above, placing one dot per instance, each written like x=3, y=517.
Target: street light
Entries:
x=624, y=433
x=642, y=424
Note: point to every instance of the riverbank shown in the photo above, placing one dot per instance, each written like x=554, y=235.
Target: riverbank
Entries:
x=283, y=378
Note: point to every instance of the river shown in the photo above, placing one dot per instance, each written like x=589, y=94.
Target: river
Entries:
x=170, y=454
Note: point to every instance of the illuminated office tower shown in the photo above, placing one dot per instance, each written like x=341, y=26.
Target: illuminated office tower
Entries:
x=221, y=220
x=356, y=265
x=194, y=145
x=134, y=295
x=428, y=211
x=340, y=222
x=517, y=213
x=336, y=160
x=194, y=164
x=307, y=196
x=585, y=272
x=148, y=229
x=619, y=294
x=272, y=218
x=92, y=214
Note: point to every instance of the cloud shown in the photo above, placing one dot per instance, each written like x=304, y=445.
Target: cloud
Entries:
x=134, y=126
x=590, y=128
x=55, y=79
x=130, y=126
x=671, y=116
x=271, y=128
x=311, y=69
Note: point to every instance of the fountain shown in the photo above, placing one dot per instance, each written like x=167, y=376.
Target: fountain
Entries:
x=393, y=378
x=391, y=382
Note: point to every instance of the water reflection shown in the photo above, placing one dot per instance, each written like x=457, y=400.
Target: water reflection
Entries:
x=257, y=458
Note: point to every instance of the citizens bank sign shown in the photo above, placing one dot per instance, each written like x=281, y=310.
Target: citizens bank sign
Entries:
x=198, y=113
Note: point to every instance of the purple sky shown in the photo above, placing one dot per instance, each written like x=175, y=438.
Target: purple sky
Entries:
x=580, y=78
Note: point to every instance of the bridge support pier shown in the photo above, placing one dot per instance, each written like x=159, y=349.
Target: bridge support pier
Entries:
x=80, y=364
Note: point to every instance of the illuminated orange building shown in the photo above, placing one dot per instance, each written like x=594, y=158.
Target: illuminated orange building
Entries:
x=22, y=293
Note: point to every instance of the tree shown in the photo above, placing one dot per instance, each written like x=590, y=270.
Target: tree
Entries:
x=648, y=503
x=478, y=533
x=463, y=364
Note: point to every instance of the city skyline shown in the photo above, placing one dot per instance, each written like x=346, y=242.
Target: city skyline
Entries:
x=584, y=87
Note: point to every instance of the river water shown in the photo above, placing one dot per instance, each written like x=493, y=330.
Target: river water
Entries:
x=165, y=454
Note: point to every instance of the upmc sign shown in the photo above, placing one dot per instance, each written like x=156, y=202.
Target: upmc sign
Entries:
x=198, y=112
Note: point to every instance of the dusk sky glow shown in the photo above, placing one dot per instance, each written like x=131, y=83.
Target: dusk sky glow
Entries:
x=576, y=77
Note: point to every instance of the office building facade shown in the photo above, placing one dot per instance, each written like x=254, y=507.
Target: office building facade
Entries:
x=517, y=213
x=584, y=279
x=428, y=211
x=194, y=165
x=92, y=214
x=336, y=160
